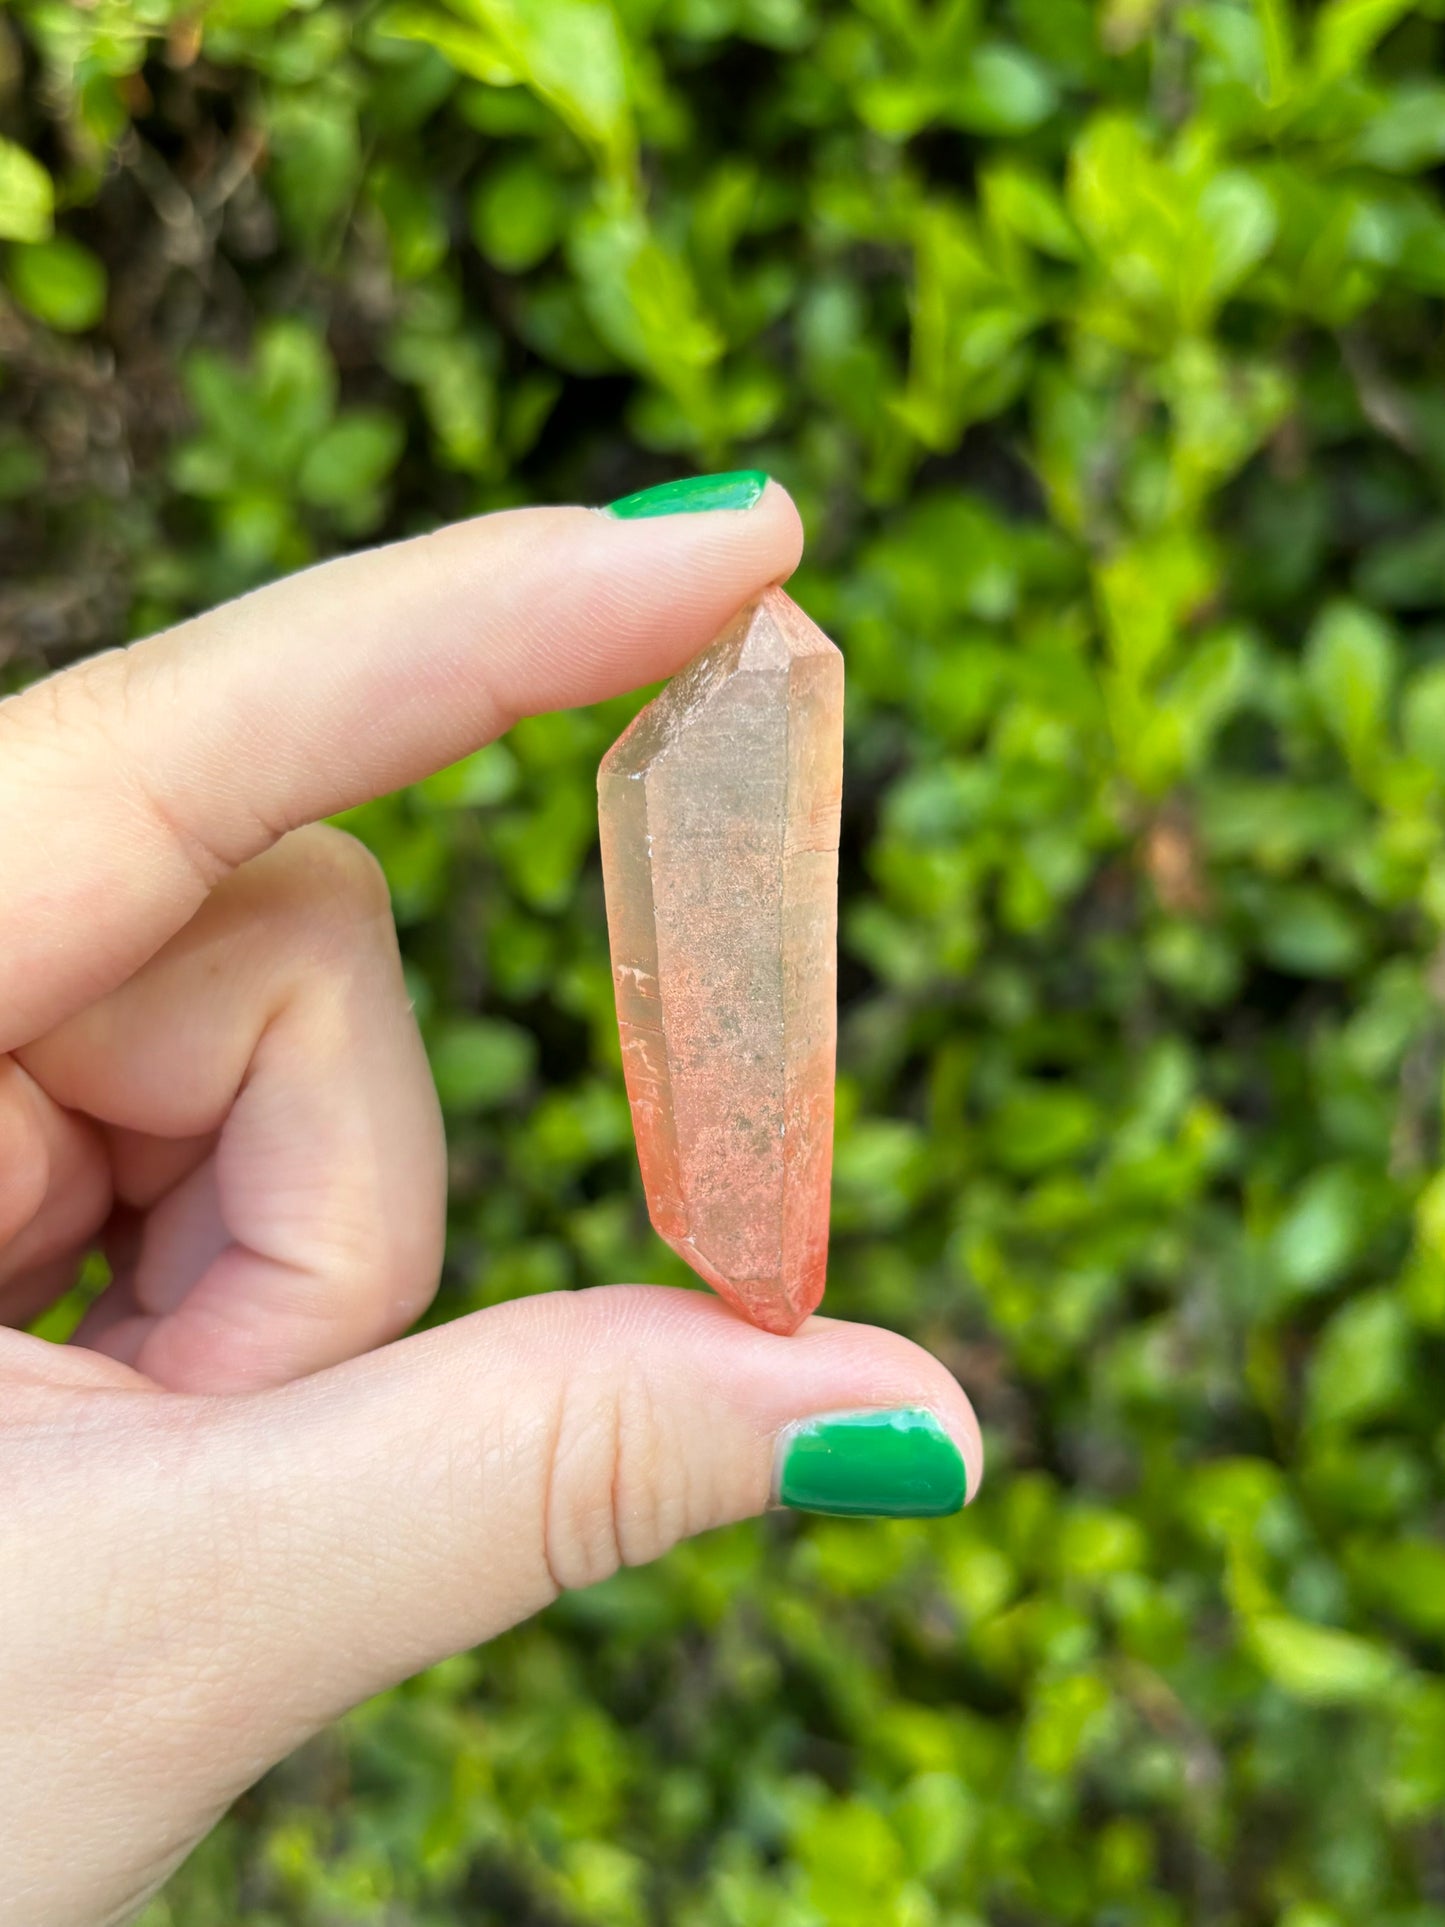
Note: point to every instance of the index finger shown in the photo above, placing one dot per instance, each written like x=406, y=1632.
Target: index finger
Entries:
x=131, y=785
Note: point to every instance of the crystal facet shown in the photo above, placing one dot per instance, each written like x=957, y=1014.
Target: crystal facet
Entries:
x=719, y=814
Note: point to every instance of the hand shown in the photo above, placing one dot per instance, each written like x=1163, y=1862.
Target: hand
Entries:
x=225, y=1514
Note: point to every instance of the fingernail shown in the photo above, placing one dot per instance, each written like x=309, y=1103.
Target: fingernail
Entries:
x=737, y=490
x=884, y=1465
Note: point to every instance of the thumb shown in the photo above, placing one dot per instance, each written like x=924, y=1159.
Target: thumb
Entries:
x=208, y=1581
x=419, y=1500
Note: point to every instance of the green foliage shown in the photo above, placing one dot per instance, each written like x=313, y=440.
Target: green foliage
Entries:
x=1102, y=349
x=60, y=283
x=27, y=195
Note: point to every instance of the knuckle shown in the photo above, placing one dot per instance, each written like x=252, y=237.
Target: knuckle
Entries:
x=24, y=1163
x=582, y=1546
x=85, y=731
x=57, y=732
x=616, y=1492
x=338, y=876
x=325, y=905
x=418, y=1250
x=73, y=698
x=389, y=1268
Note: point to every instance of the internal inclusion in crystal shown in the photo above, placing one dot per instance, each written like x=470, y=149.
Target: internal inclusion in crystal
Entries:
x=719, y=813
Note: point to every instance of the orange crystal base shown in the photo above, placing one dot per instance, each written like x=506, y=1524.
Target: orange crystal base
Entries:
x=719, y=814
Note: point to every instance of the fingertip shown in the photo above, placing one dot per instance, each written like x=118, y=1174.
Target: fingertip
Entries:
x=774, y=1384
x=787, y=524
x=897, y=1373
x=603, y=604
x=744, y=548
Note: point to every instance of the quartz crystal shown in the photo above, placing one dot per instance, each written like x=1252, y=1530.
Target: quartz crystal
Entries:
x=719, y=815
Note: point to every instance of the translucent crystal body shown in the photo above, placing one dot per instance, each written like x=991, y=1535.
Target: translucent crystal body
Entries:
x=719, y=814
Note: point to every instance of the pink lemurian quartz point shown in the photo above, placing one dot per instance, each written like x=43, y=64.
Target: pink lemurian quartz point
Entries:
x=719, y=811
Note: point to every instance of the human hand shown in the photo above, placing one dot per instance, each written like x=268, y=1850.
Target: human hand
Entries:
x=234, y=1507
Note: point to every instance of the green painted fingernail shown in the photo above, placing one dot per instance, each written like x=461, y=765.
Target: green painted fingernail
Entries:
x=738, y=490
x=889, y=1465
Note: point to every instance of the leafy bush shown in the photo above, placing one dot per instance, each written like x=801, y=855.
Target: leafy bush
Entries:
x=1102, y=349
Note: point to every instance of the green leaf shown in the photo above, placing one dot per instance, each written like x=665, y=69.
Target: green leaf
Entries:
x=1350, y=666
x=1408, y=573
x=27, y=197
x=1027, y=204
x=1111, y=161
x=351, y=458
x=900, y=107
x=569, y=53
x=1320, y=1666
x=1407, y=132
x=853, y=1861
x=480, y=1063
x=1422, y=717
x=1408, y=1578
x=473, y=46
x=1174, y=234
x=644, y=302
x=1044, y=1124
x=1277, y=826
x=414, y=215
x=542, y=849
x=1309, y=933
x=1001, y=91
x=1065, y=1719
x=1403, y=229
x=486, y=777
x=294, y=381
x=1361, y=1365
x=1416, y=1783
x=1236, y=223
x=316, y=161
x=60, y=282
x=1320, y=1233
x=878, y=1164
x=1095, y=1541
x=1146, y=591
x=1222, y=409
x=1215, y=679
x=1346, y=30
x=519, y=212
x=1277, y=38
x=969, y=323
x=937, y=1819
x=1236, y=1499
x=454, y=372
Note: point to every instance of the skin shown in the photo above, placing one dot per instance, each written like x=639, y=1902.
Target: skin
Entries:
x=240, y=1502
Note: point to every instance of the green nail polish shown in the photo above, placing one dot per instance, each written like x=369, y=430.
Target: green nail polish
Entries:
x=738, y=490
x=890, y=1465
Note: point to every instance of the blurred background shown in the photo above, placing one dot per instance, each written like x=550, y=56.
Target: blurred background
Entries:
x=1101, y=347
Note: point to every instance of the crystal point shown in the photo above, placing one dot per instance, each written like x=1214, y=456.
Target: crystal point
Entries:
x=719, y=814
